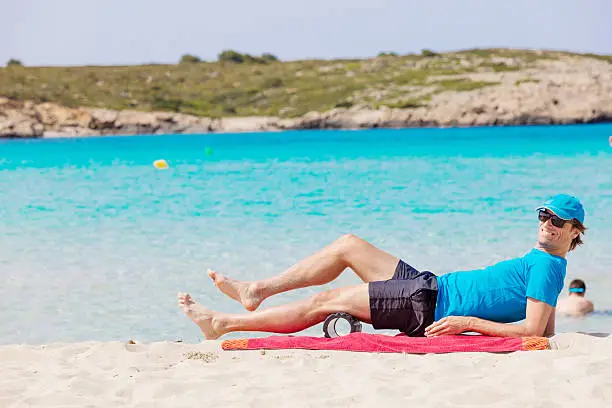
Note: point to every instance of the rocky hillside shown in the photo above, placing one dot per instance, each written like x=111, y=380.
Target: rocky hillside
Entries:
x=469, y=88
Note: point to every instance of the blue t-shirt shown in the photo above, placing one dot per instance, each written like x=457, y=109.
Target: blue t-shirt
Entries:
x=499, y=292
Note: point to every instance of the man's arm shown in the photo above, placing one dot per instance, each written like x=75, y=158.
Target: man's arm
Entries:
x=537, y=320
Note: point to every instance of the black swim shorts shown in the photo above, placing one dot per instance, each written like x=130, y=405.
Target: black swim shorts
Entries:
x=406, y=302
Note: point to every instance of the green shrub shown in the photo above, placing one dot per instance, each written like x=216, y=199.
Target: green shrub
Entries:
x=343, y=104
x=231, y=56
x=189, y=59
x=428, y=53
x=526, y=81
x=267, y=57
x=14, y=63
x=239, y=58
x=250, y=59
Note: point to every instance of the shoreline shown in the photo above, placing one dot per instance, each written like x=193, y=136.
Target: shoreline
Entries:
x=54, y=135
x=30, y=121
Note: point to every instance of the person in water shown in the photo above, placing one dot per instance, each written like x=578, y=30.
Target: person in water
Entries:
x=394, y=295
x=575, y=304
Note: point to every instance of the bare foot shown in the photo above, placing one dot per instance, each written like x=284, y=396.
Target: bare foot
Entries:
x=243, y=292
x=201, y=316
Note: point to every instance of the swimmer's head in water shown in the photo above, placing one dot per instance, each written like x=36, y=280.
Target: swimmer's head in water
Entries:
x=577, y=286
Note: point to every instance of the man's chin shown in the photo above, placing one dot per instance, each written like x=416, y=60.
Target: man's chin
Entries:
x=546, y=244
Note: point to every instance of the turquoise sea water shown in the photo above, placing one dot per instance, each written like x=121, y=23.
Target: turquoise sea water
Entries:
x=95, y=242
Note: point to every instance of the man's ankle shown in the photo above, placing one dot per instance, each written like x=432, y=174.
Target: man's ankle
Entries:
x=257, y=289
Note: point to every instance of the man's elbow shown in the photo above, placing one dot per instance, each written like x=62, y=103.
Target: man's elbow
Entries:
x=534, y=332
x=548, y=333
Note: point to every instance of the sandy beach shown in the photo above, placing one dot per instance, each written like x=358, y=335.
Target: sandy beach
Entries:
x=578, y=370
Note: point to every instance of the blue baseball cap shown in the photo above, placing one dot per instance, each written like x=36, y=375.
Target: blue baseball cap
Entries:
x=565, y=206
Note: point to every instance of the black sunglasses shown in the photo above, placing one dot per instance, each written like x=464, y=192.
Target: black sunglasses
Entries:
x=555, y=221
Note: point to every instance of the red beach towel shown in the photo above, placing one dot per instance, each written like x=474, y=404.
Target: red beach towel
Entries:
x=380, y=343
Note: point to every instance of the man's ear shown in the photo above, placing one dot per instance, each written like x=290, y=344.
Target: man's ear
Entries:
x=575, y=232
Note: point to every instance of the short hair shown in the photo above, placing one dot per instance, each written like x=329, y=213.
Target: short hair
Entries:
x=578, y=240
x=577, y=283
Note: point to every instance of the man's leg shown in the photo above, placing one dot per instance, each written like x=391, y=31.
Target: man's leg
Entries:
x=368, y=262
x=288, y=318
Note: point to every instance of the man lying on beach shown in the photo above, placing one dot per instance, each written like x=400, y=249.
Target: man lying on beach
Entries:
x=575, y=304
x=394, y=295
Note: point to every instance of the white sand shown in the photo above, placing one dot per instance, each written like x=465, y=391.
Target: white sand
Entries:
x=578, y=372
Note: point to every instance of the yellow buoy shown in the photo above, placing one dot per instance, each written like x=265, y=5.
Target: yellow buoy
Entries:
x=160, y=164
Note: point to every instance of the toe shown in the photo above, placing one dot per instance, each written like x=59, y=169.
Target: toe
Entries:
x=184, y=299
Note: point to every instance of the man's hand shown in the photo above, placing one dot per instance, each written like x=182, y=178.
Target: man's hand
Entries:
x=448, y=325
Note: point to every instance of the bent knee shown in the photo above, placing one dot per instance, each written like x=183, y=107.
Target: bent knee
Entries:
x=347, y=243
x=347, y=238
